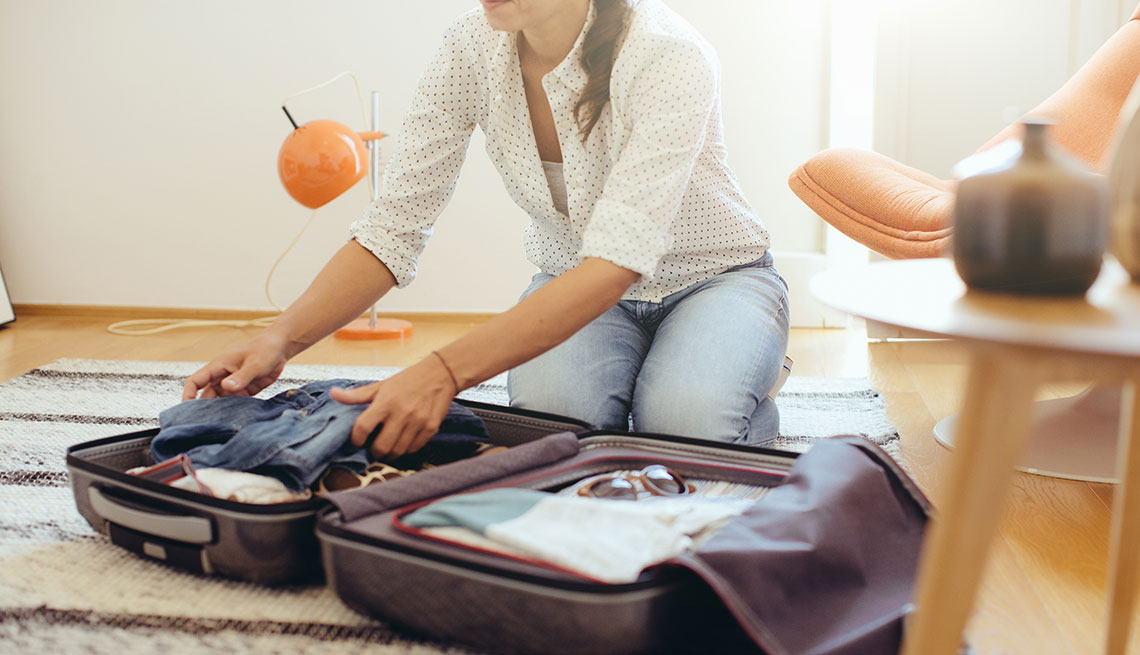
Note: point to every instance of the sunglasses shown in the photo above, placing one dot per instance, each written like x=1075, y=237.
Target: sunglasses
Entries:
x=653, y=480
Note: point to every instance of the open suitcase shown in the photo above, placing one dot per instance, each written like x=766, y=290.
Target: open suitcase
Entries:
x=268, y=544
x=794, y=574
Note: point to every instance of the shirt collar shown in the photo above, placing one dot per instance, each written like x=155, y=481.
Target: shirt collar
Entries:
x=569, y=71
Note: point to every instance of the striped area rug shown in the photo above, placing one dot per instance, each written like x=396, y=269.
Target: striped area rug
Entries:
x=66, y=589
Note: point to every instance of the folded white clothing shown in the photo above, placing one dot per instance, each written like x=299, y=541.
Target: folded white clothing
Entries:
x=242, y=487
x=607, y=540
x=226, y=484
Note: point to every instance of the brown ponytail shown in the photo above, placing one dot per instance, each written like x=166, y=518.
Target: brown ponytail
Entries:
x=599, y=50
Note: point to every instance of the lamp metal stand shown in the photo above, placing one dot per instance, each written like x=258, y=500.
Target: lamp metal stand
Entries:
x=372, y=327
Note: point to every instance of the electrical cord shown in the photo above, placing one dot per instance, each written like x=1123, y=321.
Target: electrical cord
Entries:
x=146, y=326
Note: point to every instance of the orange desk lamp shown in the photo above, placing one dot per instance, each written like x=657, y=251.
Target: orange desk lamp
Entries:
x=321, y=160
x=318, y=161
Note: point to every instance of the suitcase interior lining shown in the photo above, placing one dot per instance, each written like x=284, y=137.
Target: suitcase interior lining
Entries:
x=385, y=529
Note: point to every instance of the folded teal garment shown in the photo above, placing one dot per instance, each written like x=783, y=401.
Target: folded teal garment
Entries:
x=476, y=511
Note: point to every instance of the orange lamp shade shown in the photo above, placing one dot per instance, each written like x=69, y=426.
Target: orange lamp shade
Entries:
x=321, y=160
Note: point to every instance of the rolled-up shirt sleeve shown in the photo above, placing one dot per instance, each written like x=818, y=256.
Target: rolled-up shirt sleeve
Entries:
x=432, y=143
x=668, y=109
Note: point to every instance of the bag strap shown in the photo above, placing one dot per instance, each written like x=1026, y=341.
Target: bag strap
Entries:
x=455, y=477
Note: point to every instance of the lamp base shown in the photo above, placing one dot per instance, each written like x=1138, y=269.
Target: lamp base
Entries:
x=362, y=329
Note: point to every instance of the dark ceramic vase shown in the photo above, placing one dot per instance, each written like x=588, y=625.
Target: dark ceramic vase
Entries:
x=1029, y=218
x=1124, y=188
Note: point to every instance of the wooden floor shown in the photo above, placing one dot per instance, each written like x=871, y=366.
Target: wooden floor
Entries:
x=1045, y=586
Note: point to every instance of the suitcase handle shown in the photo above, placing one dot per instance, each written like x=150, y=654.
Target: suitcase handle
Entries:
x=187, y=529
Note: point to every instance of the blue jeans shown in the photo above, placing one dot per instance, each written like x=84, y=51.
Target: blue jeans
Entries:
x=293, y=436
x=699, y=363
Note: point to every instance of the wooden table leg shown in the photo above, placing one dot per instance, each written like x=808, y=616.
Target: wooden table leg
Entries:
x=1122, y=564
x=992, y=432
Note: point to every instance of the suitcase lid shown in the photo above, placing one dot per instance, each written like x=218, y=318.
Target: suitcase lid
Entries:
x=827, y=561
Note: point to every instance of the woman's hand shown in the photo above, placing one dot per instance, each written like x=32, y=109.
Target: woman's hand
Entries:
x=411, y=405
x=244, y=371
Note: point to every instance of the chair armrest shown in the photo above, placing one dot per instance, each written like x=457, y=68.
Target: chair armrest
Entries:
x=893, y=209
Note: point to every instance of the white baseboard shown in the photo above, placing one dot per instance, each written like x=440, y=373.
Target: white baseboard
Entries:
x=877, y=331
x=798, y=269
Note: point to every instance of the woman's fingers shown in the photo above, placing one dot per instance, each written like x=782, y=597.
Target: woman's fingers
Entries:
x=373, y=416
x=419, y=440
x=203, y=380
x=430, y=426
x=391, y=431
x=245, y=371
x=388, y=433
x=404, y=411
x=409, y=431
x=355, y=395
x=404, y=440
x=270, y=377
x=383, y=446
x=243, y=381
x=259, y=385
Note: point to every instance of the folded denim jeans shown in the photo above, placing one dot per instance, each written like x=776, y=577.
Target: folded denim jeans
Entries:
x=293, y=436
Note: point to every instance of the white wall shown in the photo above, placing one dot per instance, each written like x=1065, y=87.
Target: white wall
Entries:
x=139, y=147
x=952, y=73
x=138, y=137
x=138, y=141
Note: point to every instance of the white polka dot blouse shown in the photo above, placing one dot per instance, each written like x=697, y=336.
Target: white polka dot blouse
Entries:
x=650, y=189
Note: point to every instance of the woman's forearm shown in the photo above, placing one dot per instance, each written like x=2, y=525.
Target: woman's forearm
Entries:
x=541, y=321
x=352, y=281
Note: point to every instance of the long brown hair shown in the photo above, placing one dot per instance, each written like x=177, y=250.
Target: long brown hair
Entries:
x=599, y=50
